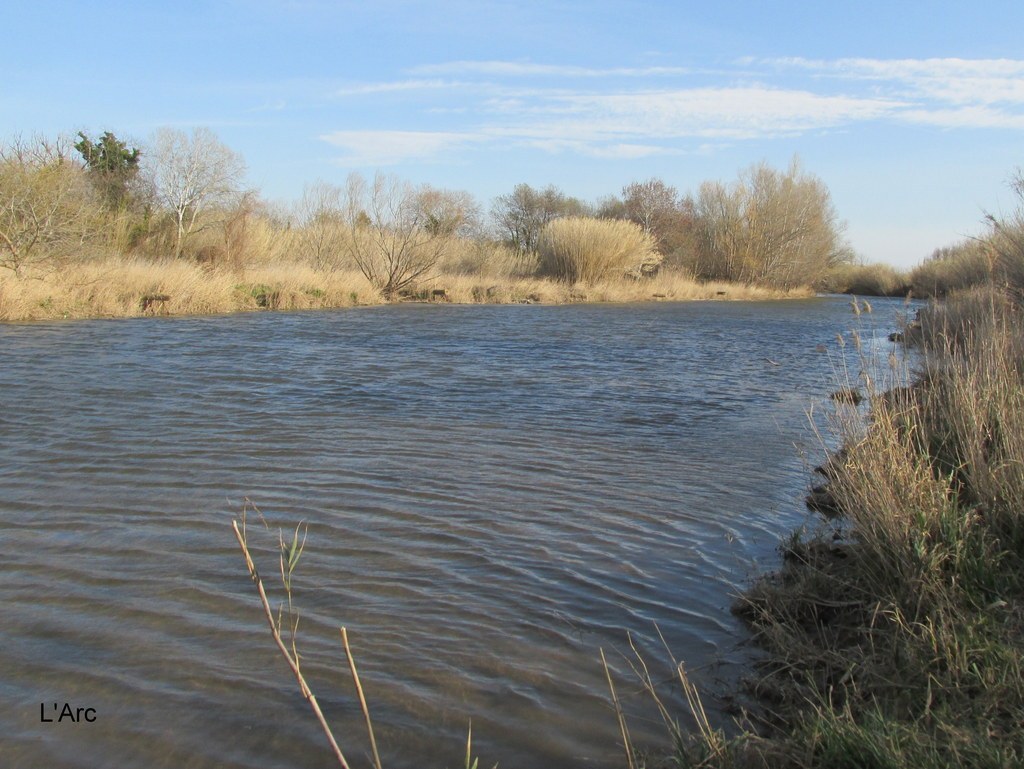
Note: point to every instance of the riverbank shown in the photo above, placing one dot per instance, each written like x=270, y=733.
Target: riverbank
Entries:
x=125, y=288
x=895, y=631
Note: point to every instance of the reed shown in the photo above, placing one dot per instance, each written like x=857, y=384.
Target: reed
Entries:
x=123, y=288
x=286, y=622
x=289, y=558
x=665, y=286
x=895, y=632
x=119, y=288
x=865, y=280
x=581, y=249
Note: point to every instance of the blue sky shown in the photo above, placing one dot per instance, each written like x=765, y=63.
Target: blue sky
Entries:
x=911, y=112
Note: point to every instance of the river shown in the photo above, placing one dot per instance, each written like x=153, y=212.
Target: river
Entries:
x=492, y=493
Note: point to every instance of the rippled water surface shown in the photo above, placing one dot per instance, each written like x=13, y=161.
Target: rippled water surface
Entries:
x=493, y=494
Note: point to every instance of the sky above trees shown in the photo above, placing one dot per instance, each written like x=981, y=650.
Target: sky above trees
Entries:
x=912, y=113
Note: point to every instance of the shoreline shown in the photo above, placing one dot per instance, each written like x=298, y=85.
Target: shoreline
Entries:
x=136, y=288
x=892, y=628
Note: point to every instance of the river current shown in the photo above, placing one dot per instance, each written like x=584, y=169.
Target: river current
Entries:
x=493, y=494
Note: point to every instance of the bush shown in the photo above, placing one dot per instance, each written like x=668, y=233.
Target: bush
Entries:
x=48, y=211
x=865, y=280
x=955, y=268
x=581, y=249
x=769, y=227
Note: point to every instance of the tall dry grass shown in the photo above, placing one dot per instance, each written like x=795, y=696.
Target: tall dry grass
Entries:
x=666, y=286
x=117, y=288
x=966, y=265
x=865, y=280
x=466, y=256
x=896, y=632
x=579, y=249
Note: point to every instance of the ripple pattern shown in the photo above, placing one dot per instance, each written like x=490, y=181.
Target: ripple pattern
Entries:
x=492, y=495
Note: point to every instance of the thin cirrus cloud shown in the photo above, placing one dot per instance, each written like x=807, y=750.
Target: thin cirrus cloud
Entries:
x=528, y=69
x=730, y=113
x=949, y=80
x=383, y=148
x=370, y=89
x=651, y=116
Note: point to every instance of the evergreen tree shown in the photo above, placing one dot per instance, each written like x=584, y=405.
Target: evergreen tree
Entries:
x=112, y=167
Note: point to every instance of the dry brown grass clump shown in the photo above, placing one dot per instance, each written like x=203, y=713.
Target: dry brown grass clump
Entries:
x=579, y=249
x=865, y=280
x=129, y=287
x=896, y=632
x=665, y=286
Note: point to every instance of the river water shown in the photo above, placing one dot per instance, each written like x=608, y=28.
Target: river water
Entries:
x=492, y=493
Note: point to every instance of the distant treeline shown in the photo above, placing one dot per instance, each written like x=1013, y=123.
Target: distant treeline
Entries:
x=182, y=196
x=991, y=258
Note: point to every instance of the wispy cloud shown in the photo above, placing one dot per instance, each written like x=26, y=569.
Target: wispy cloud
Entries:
x=964, y=117
x=569, y=109
x=617, y=126
x=737, y=113
x=369, y=89
x=383, y=148
x=532, y=69
x=958, y=81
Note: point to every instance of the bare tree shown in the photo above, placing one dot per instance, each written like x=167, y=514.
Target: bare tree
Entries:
x=398, y=231
x=322, y=230
x=47, y=207
x=769, y=227
x=192, y=174
x=521, y=215
x=651, y=204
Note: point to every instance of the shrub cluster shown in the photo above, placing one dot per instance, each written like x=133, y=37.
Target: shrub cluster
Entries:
x=865, y=280
x=581, y=249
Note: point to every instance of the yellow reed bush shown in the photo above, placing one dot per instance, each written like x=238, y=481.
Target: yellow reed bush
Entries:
x=581, y=249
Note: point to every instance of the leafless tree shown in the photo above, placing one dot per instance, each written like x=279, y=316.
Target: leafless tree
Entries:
x=521, y=215
x=651, y=204
x=397, y=231
x=769, y=227
x=192, y=174
x=47, y=206
x=322, y=231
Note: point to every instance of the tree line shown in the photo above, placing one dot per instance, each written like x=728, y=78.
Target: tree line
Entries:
x=183, y=196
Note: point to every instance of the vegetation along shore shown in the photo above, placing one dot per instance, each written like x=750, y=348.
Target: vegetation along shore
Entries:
x=97, y=227
x=895, y=628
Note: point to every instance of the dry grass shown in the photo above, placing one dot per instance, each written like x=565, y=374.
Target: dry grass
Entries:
x=956, y=268
x=895, y=632
x=465, y=256
x=118, y=288
x=666, y=286
x=580, y=249
x=865, y=280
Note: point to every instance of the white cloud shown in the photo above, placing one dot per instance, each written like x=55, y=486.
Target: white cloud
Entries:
x=590, y=118
x=369, y=89
x=384, y=148
x=964, y=117
x=958, y=81
x=531, y=69
x=620, y=125
x=740, y=113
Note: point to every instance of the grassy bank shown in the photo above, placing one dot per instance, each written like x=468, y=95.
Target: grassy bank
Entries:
x=120, y=288
x=895, y=631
